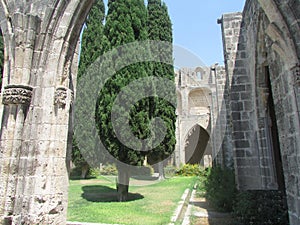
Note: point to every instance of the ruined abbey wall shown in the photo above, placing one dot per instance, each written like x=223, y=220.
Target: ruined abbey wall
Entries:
x=261, y=50
x=195, y=87
x=40, y=67
x=255, y=102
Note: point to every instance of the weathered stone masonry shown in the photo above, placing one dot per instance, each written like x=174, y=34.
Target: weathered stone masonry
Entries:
x=41, y=39
x=261, y=49
x=260, y=89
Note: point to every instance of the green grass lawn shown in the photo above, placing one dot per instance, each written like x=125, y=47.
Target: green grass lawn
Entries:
x=95, y=201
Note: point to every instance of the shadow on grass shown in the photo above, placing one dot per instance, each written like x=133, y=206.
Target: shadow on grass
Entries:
x=80, y=178
x=100, y=193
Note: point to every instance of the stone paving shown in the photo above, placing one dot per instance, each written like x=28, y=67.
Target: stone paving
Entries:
x=200, y=212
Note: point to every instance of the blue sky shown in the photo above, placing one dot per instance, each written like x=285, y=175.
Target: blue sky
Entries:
x=195, y=26
x=197, y=36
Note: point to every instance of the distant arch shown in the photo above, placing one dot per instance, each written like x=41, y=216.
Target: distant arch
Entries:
x=196, y=145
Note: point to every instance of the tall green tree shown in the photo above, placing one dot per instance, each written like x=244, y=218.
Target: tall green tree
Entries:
x=126, y=22
x=160, y=29
x=92, y=45
x=92, y=38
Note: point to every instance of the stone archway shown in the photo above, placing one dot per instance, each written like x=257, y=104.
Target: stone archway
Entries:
x=41, y=40
x=196, y=146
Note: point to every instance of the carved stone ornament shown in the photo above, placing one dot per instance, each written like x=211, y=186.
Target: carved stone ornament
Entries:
x=62, y=96
x=17, y=94
x=296, y=74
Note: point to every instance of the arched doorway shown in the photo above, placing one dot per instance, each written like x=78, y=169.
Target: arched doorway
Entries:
x=196, y=146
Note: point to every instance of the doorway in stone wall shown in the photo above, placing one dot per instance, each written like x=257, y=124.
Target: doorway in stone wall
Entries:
x=273, y=132
x=196, y=145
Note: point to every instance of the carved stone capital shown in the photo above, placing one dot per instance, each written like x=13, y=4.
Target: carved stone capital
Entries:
x=296, y=75
x=17, y=94
x=63, y=95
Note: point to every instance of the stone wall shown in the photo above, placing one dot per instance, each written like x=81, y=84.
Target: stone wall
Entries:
x=40, y=67
x=264, y=97
x=254, y=102
x=195, y=87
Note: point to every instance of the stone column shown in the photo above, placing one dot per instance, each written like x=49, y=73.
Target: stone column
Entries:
x=178, y=140
x=16, y=99
x=40, y=43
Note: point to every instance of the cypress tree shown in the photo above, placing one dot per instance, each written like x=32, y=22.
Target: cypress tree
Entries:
x=92, y=38
x=160, y=29
x=92, y=45
x=126, y=22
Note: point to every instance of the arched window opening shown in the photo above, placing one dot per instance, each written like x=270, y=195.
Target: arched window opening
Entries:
x=199, y=75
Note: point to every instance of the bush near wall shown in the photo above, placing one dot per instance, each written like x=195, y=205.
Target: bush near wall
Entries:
x=260, y=208
x=220, y=188
x=111, y=170
x=248, y=207
x=190, y=170
x=142, y=171
x=76, y=173
x=170, y=170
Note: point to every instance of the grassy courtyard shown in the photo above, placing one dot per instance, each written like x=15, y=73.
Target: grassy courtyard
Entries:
x=149, y=203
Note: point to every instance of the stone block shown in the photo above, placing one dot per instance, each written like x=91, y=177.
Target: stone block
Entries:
x=237, y=106
x=240, y=153
x=243, y=144
x=236, y=116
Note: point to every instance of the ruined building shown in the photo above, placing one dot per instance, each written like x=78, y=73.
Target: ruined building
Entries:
x=254, y=103
x=262, y=52
x=194, y=88
x=199, y=130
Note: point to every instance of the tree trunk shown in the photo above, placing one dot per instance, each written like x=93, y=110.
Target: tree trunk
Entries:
x=161, y=172
x=123, y=184
x=84, y=171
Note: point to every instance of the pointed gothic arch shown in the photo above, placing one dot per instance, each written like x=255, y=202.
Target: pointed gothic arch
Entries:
x=197, y=146
x=41, y=40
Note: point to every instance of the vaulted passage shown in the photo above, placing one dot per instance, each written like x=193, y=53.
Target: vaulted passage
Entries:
x=196, y=144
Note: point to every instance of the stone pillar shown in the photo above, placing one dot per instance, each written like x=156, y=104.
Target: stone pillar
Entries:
x=16, y=99
x=40, y=39
x=231, y=27
x=296, y=77
x=178, y=140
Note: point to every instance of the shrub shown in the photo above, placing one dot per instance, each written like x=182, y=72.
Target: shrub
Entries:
x=170, y=170
x=201, y=191
x=94, y=172
x=109, y=169
x=261, y=208
x=75, y=172
x=220, y=188
x=142, y=171
x=189, y=170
